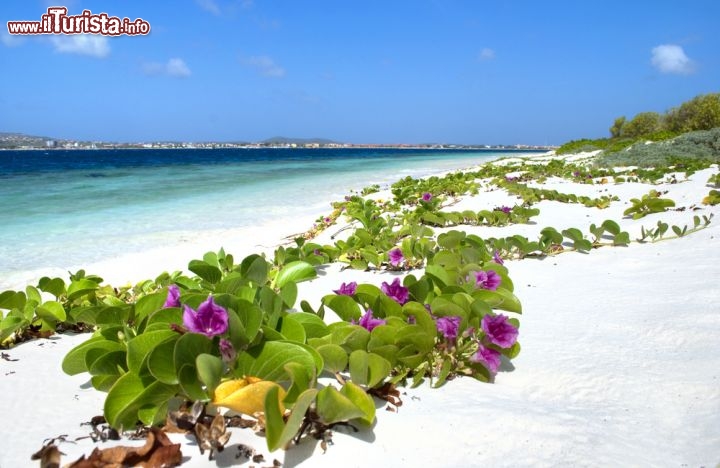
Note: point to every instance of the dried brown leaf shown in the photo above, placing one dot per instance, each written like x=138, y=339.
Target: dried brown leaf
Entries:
x=158, y=451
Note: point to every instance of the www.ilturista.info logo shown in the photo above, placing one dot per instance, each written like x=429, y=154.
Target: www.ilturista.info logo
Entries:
x=57, y=21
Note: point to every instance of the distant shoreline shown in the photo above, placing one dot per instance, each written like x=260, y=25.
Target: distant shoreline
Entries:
x=290, y=147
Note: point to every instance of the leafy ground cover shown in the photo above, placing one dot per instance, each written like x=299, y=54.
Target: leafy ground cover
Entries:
x=233, y=335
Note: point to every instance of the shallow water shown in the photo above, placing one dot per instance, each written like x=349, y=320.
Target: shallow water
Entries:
x=63, y=208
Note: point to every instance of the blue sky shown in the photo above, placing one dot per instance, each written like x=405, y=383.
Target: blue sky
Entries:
x=472, y=72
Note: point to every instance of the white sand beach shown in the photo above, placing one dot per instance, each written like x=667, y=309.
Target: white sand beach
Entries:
x=620, y=361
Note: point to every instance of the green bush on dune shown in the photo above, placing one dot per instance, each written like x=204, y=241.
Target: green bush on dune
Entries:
x=699, y=114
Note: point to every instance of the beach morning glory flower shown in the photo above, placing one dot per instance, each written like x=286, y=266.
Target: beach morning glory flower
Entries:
x=448, y=326
x=487, y=280
x=396, y=257
x=426, y=197
x=210, y=319
x=504, y=209
x=346, y=289
x=488, y=357
x=499, y=330
x=227, y=351
x=497, y=258
x=368, y=322
x=396, y=291
x=173, y=297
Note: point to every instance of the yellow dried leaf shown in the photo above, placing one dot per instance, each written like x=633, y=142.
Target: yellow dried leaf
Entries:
x=246, y=395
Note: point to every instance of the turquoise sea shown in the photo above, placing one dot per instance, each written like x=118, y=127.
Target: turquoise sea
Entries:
x=64, y=208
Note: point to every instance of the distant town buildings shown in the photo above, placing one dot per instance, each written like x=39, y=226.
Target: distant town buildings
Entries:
x=22, y=141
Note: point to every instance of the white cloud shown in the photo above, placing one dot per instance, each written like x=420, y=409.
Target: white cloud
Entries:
x=82, y=44
x=174, y=67
x=177, y=67
x=265, y=65
x=209, y=5
x=10, y=40
x=670, y=58
x=486, y=54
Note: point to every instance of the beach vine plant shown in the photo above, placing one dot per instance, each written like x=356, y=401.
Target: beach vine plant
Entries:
x=232, y=336
x=229, y=337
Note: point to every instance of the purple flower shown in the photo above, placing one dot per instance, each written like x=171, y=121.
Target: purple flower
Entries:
x=497, y=258
x=327, y=219
x=448, y=326
x=396, y=291
x=504, y=209
x=396, y=257
x=346, y=289
x=499, y=330
x=576, y=173
x=426, y=197
x=210, y=319
x=227, y=351
x=488, y=357
x=368, y=322
x=173, y=297
x=487, y=280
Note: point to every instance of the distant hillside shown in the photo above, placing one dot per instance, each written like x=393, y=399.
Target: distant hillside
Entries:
x=15, y=140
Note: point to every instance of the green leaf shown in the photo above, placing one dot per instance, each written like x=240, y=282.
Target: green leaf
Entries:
x=611, y=226
x=300, y=379
x=12, y=300
x=333, y=406
x=128, y=395
x=34, y=295
x=368, y=368
x=439, y=275
x=165, y=317
x=344, y=306
x=267, y=361
x=251, y=317
x=354, y=337
x=187, y=348
x=190, y=383
x=362, y=400
x=75, y=361
x=291, y=329
x=277, y=432
x=334, y=357
x=81, y=287
x=622, y=238
x=10, y=324
x=296, y=271
x=51, y=311
x=288, y=293
x=204, y=270
x=499, y=299
x=140, y=347
x=161, y=363
x=54, y=286
x=314, y=326
x=112, y=363
x=209, y=369
x=147, y=305
x=255, y=269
